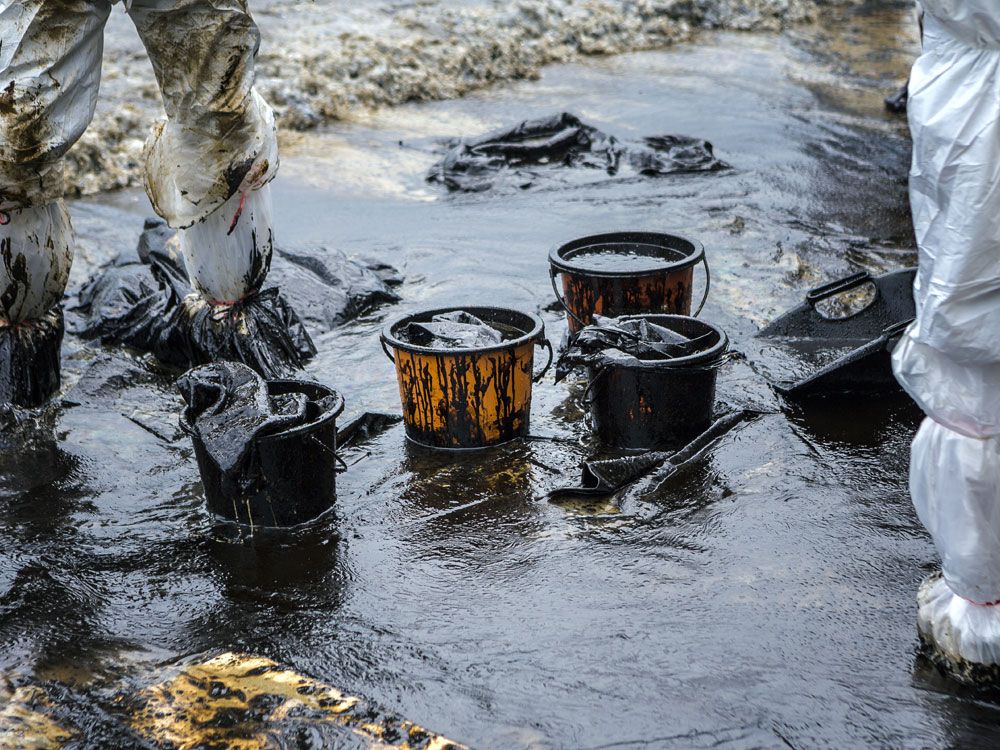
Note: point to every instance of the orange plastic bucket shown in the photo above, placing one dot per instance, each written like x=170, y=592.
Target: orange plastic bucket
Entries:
x=624, y=284
x=472, y=397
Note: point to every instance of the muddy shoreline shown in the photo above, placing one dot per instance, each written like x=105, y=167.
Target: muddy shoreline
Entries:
x=328, y=61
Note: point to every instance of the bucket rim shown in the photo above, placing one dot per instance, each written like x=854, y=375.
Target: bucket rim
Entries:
x=536, y=334
x=664, y=239
x=704, y=357
x=329, y=417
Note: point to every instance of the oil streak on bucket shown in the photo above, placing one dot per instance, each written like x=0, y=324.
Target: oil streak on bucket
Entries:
x=653, y=404
x=298, y=468
x=467, y=398
x=640, y=272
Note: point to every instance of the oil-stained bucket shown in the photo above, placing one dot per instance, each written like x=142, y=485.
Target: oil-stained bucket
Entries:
x=661, y=285
x=297, y=467
x=468, y=398
x=654, y=404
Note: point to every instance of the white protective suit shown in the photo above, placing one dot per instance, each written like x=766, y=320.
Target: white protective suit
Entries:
x=213, y=154
x=949, y=359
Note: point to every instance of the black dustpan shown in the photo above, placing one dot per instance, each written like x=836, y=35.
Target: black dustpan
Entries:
x=865, y=338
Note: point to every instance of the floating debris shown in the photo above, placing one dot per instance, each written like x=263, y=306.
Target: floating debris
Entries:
x=453, y=330
x=563, y=140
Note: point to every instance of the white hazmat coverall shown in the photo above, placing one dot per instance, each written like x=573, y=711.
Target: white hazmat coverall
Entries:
x=949, y=359
x=207, y=162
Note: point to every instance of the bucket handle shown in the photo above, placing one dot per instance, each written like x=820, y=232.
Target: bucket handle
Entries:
x=708, y=285
x=336, y=456
x=543, y=341
x=839, y=286
x=381, y=340
x=695, y=314
x=894, y=329
x=588, y=395
x=561, y=300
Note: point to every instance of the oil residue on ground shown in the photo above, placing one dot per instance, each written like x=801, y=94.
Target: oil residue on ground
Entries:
x=764, y=597
x=328, y=60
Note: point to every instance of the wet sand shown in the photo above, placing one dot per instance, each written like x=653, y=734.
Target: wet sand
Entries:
x=765, y=599
x=328, y=60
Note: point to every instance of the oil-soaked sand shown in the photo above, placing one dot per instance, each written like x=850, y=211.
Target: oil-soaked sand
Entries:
x=324, y=60
x=764, y=600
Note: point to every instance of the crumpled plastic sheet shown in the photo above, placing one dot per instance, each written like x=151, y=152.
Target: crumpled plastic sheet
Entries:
x=955, y=484
x=648, y=472
x=453, y=330
x=144, y=300
x=29, y=360
x=949, y=358
x=517, y=154
x=229, y=408
x=614, y=340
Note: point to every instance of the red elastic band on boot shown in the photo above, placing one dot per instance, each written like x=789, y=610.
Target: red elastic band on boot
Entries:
x=993, y=603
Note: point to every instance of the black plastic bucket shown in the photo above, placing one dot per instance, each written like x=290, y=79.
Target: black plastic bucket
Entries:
x=656, y=404
x=298, y=468
x=613, y=292
x=467, y=398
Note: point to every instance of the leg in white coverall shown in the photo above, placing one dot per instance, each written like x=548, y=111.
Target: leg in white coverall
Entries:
x=207, y=164
x=949, y=359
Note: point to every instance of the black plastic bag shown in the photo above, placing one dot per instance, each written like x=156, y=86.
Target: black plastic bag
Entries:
x=454, y=330
x=228, y=407
x=610, y=340
x=674, y=154
x=563, y=140
x=144, y=300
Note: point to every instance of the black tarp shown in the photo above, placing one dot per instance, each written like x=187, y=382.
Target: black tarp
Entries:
x=143, y=299
x=517, y=154
x=611, y=340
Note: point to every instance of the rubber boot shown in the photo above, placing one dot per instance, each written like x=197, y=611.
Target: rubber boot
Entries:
x=961, y=637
